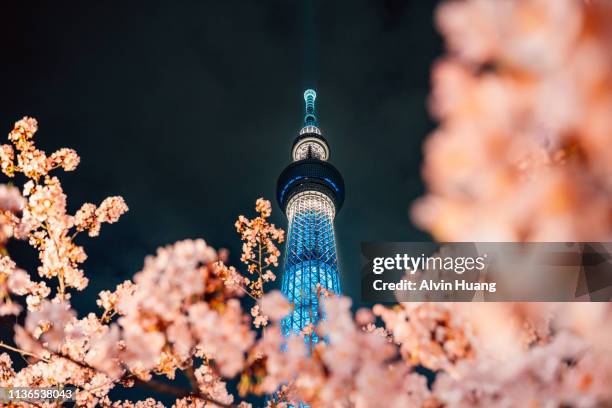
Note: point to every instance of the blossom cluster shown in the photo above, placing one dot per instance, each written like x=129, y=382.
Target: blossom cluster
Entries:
x=41, y=217
x=175, y=311
x=38, y=213
x=16, y=281
x=259, y=251
x=259, y=255
x=355, y=368
x=523, y=97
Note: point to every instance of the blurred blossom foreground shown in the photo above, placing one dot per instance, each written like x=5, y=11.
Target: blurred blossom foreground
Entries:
x=524, y=100
x=522, y=153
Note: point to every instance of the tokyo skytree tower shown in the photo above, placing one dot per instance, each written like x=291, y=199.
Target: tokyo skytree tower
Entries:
x=310, y=191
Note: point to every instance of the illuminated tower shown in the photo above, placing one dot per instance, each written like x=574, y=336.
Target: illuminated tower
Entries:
x=310, y=191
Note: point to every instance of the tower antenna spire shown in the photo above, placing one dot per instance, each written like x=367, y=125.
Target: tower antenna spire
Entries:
x=310, y=119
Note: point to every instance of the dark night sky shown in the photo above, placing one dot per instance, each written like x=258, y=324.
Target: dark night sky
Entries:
x=188, y=110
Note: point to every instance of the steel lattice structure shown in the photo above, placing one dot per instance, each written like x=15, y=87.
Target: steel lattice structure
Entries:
x=311, y=191
x=311, y=258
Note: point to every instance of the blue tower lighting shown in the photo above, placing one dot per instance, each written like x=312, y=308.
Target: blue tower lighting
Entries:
x=310, y=191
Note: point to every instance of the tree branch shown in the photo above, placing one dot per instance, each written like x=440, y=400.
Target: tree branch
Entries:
x=154, y=385
x=190, y=373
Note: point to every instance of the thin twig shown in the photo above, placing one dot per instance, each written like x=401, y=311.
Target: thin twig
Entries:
x=22, y=352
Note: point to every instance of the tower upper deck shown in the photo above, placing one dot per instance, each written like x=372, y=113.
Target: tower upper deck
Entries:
x=310, y=170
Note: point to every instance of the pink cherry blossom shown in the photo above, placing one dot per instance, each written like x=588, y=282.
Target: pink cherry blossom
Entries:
x=275, y=305
x=49, y=323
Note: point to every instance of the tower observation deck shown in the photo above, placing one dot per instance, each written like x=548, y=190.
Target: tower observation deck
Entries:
x=310, y=191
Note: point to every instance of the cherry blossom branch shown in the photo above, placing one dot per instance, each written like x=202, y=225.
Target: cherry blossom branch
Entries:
x=247, y=292
x=190, y=373
x=178, y=392
x=165, y=388
x=60, y=275
x=154, y=385
x=259, y=267
x=22, y=352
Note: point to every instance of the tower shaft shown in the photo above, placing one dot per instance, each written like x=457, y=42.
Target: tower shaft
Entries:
x=311, y=262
